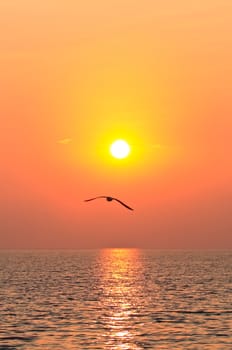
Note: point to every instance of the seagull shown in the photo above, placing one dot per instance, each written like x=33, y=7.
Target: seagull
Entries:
x=109, y=199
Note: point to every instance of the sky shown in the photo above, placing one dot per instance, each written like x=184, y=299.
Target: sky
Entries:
x=75, y=76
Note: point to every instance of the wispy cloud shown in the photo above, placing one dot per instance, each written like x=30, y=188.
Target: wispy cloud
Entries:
x=65, y=141
x=158, y=145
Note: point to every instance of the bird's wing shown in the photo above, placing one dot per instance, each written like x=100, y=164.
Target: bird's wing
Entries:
x=91, y=199
x=123, y=203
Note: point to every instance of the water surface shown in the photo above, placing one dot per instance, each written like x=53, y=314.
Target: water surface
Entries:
x=115, y=299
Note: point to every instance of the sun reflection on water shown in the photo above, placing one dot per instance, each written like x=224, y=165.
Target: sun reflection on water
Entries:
x=120, y=296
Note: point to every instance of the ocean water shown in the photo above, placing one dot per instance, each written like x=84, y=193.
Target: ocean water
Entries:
x=115, y=299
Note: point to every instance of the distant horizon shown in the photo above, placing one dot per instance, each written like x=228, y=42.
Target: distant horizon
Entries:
x=118, y=248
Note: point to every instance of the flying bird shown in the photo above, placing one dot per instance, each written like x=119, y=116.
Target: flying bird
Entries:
x=109, y=199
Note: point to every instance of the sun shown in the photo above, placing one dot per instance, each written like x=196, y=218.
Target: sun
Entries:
x=120, y=149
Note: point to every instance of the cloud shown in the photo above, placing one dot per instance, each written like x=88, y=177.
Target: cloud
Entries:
x=65, y=141
x=158, y=145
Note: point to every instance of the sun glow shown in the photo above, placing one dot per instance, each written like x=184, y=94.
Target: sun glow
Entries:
x=120, y=149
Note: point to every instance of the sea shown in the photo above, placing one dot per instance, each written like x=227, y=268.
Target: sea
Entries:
x=115, y=299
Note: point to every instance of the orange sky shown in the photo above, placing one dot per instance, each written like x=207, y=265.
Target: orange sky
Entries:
x=157, y=73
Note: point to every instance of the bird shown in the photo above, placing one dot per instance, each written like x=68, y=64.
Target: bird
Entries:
x=109, y=199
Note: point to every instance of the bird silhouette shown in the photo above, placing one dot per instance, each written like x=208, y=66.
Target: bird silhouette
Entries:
x=109, y=199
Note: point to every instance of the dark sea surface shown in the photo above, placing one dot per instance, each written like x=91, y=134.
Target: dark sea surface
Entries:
x=115, y=299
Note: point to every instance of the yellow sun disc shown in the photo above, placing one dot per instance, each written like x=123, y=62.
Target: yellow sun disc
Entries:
x=120, y=149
